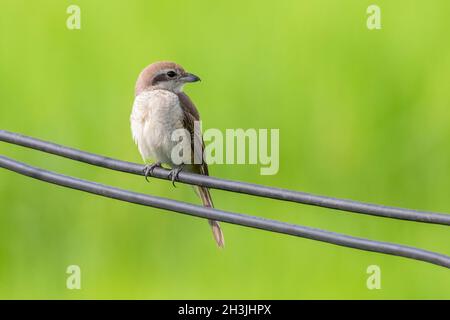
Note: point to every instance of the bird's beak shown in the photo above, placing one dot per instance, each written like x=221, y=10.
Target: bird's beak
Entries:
x=189, y=77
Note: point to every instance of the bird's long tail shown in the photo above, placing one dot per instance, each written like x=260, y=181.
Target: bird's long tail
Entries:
x=207, y=202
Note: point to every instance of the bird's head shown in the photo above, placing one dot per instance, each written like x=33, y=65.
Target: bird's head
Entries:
x=164, y=75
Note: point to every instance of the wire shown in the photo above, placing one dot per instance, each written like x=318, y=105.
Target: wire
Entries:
x=225, y=216
x=229, y=185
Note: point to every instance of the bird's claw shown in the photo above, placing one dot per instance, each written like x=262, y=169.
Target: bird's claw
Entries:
x=148, y=169
x=173, y=174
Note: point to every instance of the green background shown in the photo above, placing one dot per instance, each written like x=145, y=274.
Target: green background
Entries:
x=362, y=115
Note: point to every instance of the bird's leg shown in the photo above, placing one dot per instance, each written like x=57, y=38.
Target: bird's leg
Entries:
x=148, y=169
x=173, y=174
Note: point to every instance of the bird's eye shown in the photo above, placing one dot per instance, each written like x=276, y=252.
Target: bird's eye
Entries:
x=171, y=74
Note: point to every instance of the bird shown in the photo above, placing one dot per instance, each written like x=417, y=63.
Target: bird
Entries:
x=160, y=107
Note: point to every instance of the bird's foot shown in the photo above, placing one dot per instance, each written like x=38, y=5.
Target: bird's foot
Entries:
x=148, y=169
x=173, y=174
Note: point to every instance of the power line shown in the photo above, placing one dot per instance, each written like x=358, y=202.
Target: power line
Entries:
x=225, y=216
x=229, y=185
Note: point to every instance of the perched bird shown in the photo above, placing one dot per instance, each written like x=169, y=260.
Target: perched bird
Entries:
x=161, y=107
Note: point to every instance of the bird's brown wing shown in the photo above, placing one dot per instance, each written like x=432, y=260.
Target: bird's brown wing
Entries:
x=190, y=116
x=188, y=106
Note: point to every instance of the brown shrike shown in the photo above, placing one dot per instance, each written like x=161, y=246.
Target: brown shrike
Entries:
x=160, y=108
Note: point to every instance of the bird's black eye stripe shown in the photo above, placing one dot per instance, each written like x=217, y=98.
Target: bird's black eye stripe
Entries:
x=171, y=73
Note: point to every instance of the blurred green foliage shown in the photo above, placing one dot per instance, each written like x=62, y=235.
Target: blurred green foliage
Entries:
x=362, y=114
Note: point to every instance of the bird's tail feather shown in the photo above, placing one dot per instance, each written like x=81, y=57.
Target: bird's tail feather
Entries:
x=215, y=227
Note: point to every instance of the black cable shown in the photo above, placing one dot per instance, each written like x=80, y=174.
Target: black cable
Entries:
x=220, y=215
x=229, y=185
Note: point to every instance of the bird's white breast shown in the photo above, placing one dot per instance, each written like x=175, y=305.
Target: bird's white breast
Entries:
x=155, y=115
